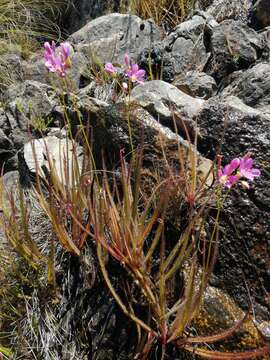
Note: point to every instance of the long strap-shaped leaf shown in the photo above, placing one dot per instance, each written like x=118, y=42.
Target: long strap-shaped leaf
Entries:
x=116, y=296
x=219, y=355
x=217, y=337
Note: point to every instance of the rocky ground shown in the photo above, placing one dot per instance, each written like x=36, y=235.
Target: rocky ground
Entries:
x=213, y=74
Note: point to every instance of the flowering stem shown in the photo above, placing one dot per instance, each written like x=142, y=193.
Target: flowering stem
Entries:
x=129, y=125
x=220, y=207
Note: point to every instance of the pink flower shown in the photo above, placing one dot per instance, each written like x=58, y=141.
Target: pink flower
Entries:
x=226, y=177
x=246, y=170
x=110, y=69
x=49, y=49
x=65, y=50
x=57, y=60
x=135, y=74
x=236, y=170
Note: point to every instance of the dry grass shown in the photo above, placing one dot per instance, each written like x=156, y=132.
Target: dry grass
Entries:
x=163, y=12
x=24, y=26
x=22, y=22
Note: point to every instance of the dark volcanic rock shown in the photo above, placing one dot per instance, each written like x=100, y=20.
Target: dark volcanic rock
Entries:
x=31, y=100
x=197, y=84
x=110, y=127
x=229, y=126
x=82, y=11
x=261, y=14
x=230, y=9
x=6, y=145
x=105, y=39
x=234, y=46
x=27, y=104
x=169, y=105
x=182, y=50
x=266, y=35
x=10, y=70
x=12, y=137
x=110, y=37
x=162, y=99
x=252, y=87
x=158, y=62
x=187, y=44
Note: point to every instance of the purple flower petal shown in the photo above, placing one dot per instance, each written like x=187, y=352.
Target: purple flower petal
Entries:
x=48, y=48
x=234, y=164
x=256, y=172
x=110, y=69
x=246, y=170
x=127, y=60
x=134, y=68
x=65, y=51
x=233, y=180
x=57, y=60
x=246, y=163
x=227, y=170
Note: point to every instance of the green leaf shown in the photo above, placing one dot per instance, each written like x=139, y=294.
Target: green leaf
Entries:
x=5, y=351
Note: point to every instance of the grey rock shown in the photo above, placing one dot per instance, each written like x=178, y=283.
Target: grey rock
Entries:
x=159, y=60
x=203, y=4
x=82, y=11
x=261, y=13
x=10, y=70
x=167, y=103
x=196, y=84
x=234, y=46
x=266, y=35
x=186, y=43
x=26, y=104
x=127, y=34
x=34, y=68
x=59, y=156
x=227, y=9
x=4, y=123
x=7, y=146
x=233, y=128
x=110, y=37
x=5, y=143
x=252, y=87
x=184, y=49
x=10, y=180
x=110, y=130
x=9, y=183
x=194, y=26
x=30, y=100
x=102, y=92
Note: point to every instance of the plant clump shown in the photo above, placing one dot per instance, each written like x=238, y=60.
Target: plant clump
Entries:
x=104, y=217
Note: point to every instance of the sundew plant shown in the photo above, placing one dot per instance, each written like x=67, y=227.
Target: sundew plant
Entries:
x=128, y=226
